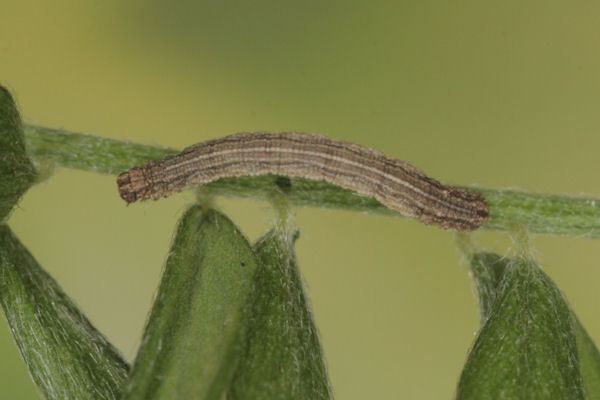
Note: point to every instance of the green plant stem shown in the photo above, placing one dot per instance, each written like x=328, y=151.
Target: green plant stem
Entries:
x=540, y=213
x=87, y=152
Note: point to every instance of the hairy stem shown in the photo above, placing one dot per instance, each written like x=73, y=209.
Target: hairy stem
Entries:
x=540, y=213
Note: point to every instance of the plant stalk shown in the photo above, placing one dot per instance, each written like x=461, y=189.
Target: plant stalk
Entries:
x=509, y=209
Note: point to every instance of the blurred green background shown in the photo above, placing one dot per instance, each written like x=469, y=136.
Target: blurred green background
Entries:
x=501, y=94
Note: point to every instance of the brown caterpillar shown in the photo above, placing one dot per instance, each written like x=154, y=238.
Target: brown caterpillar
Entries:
x=394, y=183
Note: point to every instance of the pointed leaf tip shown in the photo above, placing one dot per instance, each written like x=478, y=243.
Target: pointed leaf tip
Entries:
x=526, y=348
x=488, y=271
x=283, y=357
x=16, y=170
x=191, y=343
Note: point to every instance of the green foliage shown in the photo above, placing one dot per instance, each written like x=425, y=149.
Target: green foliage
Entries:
x=282, y=358
x=488, y=270
x=16, y=171
x=66, y=356
x=231, y=320
x=192, y=339
x=531, y=345
x=589, y=362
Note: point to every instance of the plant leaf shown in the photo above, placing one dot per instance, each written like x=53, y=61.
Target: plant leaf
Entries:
x=283, y=357
x=589, y=361
x=488, y=270
x=66, y=356
x=192, y=339
x=526, y=348
x=16, y=170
